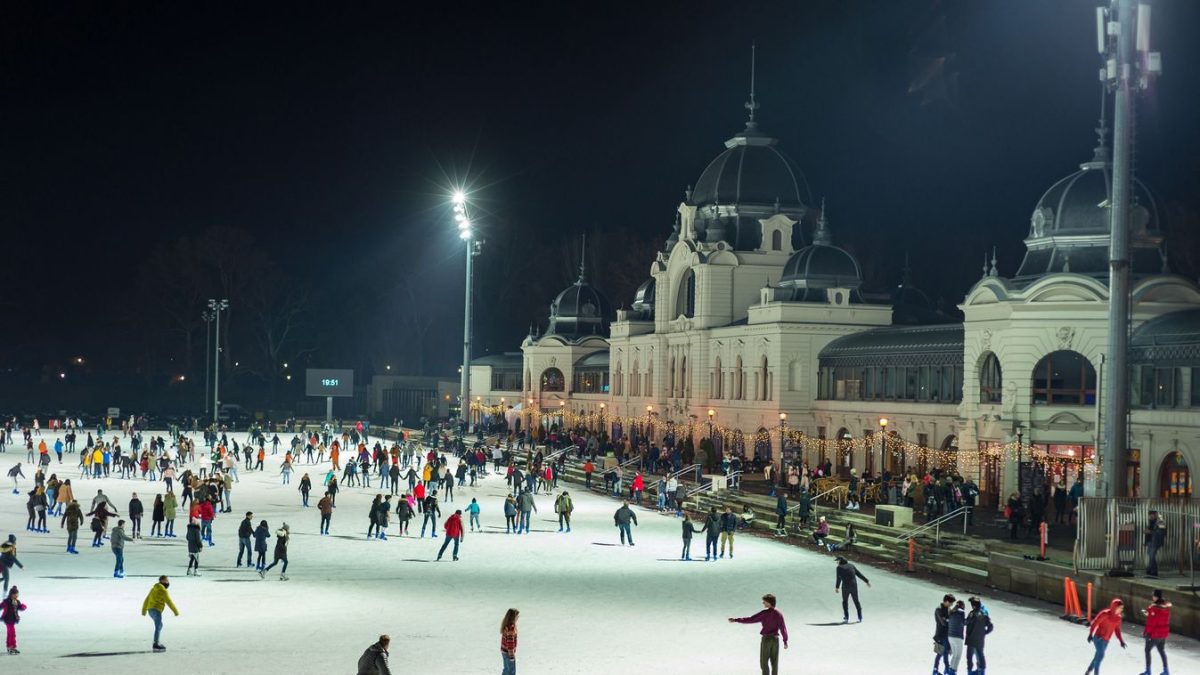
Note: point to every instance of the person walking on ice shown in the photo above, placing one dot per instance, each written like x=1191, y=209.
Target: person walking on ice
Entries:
x=1106, y=624
x=10, y=615
x=689, y=528
x=622, y=518
x=473, y=515
x=773, y=627
x=157, y=600
x=847, y=582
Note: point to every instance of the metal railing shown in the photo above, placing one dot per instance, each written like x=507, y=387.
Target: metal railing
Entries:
x=839, y=493
x=936, y=525
x=733, y=477
x=1111, y=531
x=685, y=470
x=700, y=487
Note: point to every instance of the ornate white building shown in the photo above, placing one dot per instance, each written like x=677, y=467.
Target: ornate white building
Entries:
x=753, y=323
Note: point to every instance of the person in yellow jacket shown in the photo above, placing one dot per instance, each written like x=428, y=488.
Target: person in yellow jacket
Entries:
x=97, y=461
x=156, y=600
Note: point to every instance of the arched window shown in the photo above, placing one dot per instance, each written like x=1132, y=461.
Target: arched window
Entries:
x=635, y=380
x=776, y=241
x=1174, y=478
x=685, y=303
x=718, y=380
x=739, y=380
x=552, y=380
x=990, y=380
x=671, y=379
x=683, y=380
x=618, y=382
x=649, y=379
x=764, y=377
x=1064, y=378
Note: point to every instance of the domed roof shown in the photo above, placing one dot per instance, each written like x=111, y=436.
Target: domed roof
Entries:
x=821, y=264
x=643, y=299
x=751, y=170
x=1069, y=229
x=579, y=310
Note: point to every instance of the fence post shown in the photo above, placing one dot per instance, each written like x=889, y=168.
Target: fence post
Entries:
x=1089, y=614
x=911, y=547
x=1042, y=537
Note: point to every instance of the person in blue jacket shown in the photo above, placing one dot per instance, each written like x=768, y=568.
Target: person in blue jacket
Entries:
x=473, y=511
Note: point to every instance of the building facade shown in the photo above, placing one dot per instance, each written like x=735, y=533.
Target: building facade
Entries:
x=753, y=328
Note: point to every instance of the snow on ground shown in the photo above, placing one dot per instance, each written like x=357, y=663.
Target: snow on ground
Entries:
x=587, y=604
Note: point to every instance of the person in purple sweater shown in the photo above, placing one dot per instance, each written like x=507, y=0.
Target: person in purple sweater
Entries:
x=773, y=627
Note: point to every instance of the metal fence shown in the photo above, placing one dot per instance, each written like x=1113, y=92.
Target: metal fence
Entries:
x=1111, y=531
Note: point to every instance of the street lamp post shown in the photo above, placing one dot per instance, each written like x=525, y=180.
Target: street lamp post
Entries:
x=883, y=422
x=711, y=414
x=601, y=425
x=207, y=317
x=217, y=306
x=782, y=435
x=472, y=249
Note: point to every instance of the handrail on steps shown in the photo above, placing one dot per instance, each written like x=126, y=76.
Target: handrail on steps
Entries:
x=836, y=491
x=936, y=525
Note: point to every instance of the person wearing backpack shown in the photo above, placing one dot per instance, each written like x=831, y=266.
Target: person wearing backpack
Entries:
x=979, y=624
x=282, y=535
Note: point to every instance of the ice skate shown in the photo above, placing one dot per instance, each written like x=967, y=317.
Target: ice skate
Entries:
x=159, y=648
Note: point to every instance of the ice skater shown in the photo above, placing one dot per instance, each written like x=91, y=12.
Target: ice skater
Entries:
x=72, y=519
x=8, y=558
x=374, y=661
x=941, y=633
x=157, y=600
x=282, y=535
x=847, y=582
x=729, y=525
x=245, y=532
x=563, y=507
x=453, y=530
x=508, y=641
x=956, y=628
x=712, y=531
x=195, y=544
x=10, y=614
x=15, y=473
x=1104, y=626
x=773, y=627
x=1158, y=629
x=432, y=513
x=979, y=624
x=622, y=518
x=689, y=529
x=119, y=539
x=262, y=534
x=526, y=506
x=473, y=516
x=325, y=508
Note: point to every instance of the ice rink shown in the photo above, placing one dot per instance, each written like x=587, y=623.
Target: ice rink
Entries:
x=588, y=605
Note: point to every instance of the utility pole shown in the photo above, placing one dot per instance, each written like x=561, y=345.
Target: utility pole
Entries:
x=1123, y=40
x=208, y=317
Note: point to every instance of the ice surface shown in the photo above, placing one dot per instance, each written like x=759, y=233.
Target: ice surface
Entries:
x=587, y=604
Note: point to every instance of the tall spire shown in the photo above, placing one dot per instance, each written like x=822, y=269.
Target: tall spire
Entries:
x=752, y=104
x=822, y=236
x=906, y=275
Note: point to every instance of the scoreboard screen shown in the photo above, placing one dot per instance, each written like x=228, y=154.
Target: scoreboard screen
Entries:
x=329, y=382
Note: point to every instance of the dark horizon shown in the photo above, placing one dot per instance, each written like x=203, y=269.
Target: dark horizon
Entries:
x=323, y=145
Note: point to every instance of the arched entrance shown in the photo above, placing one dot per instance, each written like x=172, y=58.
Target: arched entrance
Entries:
x=1174, y=477
x=948, y=455
x=843, y=459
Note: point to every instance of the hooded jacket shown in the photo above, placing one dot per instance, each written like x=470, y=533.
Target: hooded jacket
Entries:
x=1107, y=623
x=1158, y=621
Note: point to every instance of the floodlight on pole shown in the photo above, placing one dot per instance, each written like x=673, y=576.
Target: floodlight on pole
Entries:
x=473, y=248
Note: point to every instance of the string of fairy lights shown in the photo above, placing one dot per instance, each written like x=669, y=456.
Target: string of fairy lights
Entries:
x=652, y=423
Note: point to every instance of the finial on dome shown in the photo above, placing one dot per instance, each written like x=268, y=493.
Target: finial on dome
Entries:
x=1066, y=263
x=752, y=105
x=822, y=236
x=985, y=265
x=992, y=272
x=1166, y=267
x=687, y=194
x=582, y=260
x=777, y=205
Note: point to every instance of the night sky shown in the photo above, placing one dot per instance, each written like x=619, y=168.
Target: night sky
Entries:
x=332, y=137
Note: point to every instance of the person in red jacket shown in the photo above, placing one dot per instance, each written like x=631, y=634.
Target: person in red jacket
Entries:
x=1158, y=628
x=454, y=532
x=1106, y=624
x=207, y=513
x=419, y=493
x=639, y=484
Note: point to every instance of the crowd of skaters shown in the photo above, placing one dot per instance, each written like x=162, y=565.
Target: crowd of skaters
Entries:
x=206, y=487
